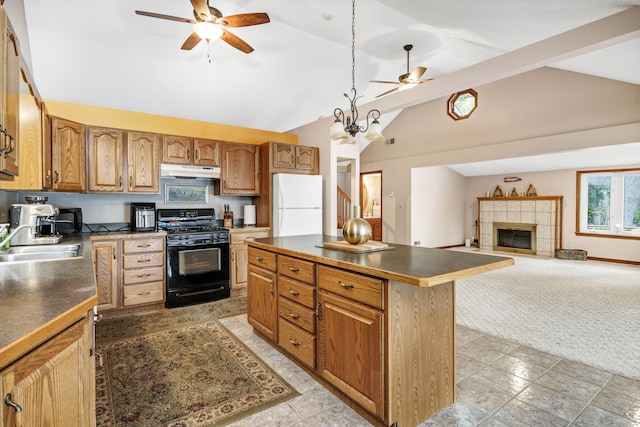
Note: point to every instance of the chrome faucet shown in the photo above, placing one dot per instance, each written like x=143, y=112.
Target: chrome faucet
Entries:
x=32, y=233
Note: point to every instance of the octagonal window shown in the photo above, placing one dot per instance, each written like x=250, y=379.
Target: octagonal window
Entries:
x=462, y=104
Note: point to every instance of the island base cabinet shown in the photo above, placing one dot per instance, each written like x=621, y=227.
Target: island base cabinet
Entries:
x=54, y=385
x=262, y=301
x=350, y=350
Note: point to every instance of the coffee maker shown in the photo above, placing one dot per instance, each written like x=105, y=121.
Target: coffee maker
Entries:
x=31, y=217
x=143, y=217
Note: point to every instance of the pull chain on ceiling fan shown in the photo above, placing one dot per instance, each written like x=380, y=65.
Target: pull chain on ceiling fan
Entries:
x=210, y=24
x=408, y=80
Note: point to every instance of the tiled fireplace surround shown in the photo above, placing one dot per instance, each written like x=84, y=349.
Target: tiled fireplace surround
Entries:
x=544, y=211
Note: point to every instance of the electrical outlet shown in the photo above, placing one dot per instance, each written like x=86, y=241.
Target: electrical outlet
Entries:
x=390, y=141
x=416, y=242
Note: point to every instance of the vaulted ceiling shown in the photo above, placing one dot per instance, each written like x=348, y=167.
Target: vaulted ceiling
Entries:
x=101, y=53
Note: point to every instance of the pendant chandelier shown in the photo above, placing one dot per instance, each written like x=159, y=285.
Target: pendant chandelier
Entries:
x=345, y=128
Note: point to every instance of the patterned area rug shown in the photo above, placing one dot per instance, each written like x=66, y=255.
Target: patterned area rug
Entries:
x=587, y=311
x=179, y=368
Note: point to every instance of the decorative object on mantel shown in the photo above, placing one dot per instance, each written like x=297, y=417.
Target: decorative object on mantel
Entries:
x=356, y=231
x=461, y=104
x=512, y=179
x=498, y=192
x=345, y=128
x=514, y=192
x=531, y=191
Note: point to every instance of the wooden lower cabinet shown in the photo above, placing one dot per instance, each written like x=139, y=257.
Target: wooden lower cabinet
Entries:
x=129, y=271
x=54, y=384
x=239, y=256
x=384, y=347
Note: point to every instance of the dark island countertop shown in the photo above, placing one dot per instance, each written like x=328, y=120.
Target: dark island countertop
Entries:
x=413, y=265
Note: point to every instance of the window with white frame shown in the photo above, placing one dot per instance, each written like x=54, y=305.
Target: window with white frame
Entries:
x=609, y=202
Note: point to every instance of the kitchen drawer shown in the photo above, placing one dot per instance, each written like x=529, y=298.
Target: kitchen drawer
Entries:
x=143, y=260
x=143, y=275
x=297, y=342
x=238, y=238
x=143, y=245
x=297, y=314
x=297, y=291
x=262, y=258
x=301, y=270
x=143, y=294
x=364, y=289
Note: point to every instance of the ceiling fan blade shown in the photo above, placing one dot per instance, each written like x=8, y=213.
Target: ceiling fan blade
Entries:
x=161, y=16
x=236, y=41
x=416, y=74
x=246, y=19
x=383, y=81
x=201, y=8
x=387, y=92
x=422, y=81
x=191, y=41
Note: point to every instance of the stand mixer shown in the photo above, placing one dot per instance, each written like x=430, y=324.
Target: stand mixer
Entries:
x=26, y=220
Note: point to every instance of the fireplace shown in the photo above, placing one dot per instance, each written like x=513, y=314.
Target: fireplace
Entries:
x=514, y=237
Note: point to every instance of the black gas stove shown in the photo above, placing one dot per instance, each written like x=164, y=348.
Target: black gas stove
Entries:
x=197, y=256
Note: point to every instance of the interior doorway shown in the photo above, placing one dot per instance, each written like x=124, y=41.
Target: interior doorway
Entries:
x=371, y=201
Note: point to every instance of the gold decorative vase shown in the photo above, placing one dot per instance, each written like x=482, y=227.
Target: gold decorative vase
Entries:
x=356, y=231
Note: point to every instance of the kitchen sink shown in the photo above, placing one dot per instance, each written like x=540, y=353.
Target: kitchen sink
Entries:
x=41, y=252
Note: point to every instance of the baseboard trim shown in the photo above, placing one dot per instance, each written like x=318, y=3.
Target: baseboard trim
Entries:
x=617, y=261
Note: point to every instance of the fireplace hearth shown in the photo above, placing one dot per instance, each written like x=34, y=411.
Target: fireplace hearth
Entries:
x=514, y=237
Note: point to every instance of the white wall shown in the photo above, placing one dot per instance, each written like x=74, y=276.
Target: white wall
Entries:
x=554, y=183
x=437, y=207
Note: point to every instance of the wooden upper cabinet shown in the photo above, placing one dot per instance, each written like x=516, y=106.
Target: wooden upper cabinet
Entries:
x=68, y=155
x=106, y=159
x=184, y=150
x=10, y=99
x=240, y=170
x=206, y=152
x=290, y=158
x=143, y=155
x=177, y=149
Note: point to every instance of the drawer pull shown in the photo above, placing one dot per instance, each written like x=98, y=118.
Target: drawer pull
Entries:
x=345, y=285
x=144, y=260
x=259, y=258
x=293, y=315
x=294, y=342
x=144, y=246
x=144, y=275
x=144, y=293
x=294, y=293
x=294, y=269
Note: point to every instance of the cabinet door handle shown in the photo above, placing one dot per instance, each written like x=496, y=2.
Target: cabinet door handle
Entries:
x=293, y=315
x=188, y=154
x=197, y=152
x=294, y=342
x=345, y=285
x=318, y=313
x=293, y=292
x=16, y=408
x=57, y=177
x=271, y=287
x=294, y=269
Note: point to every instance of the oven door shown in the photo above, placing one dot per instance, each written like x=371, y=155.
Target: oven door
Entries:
x=197, y=274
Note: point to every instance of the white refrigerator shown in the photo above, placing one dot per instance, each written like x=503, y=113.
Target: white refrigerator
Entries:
x=297, y=204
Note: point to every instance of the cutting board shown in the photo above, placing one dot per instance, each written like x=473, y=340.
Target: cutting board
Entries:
x=370, y=246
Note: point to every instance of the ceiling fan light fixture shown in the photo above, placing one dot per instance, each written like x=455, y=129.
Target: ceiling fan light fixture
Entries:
x=208, y=31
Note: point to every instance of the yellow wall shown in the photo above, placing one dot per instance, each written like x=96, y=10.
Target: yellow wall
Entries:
x=99, y=116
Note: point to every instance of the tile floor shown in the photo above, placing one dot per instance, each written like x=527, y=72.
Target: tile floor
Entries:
x=499, y=383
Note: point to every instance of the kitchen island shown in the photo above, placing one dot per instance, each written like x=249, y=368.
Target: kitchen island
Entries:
x=377, y=328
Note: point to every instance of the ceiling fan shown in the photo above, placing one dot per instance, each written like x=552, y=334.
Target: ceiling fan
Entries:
x=408, y=80
x=210, y=24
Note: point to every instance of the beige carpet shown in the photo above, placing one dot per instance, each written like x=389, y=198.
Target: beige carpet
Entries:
x=586, y=311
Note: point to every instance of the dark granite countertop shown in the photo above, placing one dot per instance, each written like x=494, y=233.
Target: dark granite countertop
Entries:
x=414, y=265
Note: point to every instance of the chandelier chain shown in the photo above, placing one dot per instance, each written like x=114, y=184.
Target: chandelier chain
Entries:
x=353, y=44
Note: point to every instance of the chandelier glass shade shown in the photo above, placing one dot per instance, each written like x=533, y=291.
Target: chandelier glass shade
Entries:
x=345, y=127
